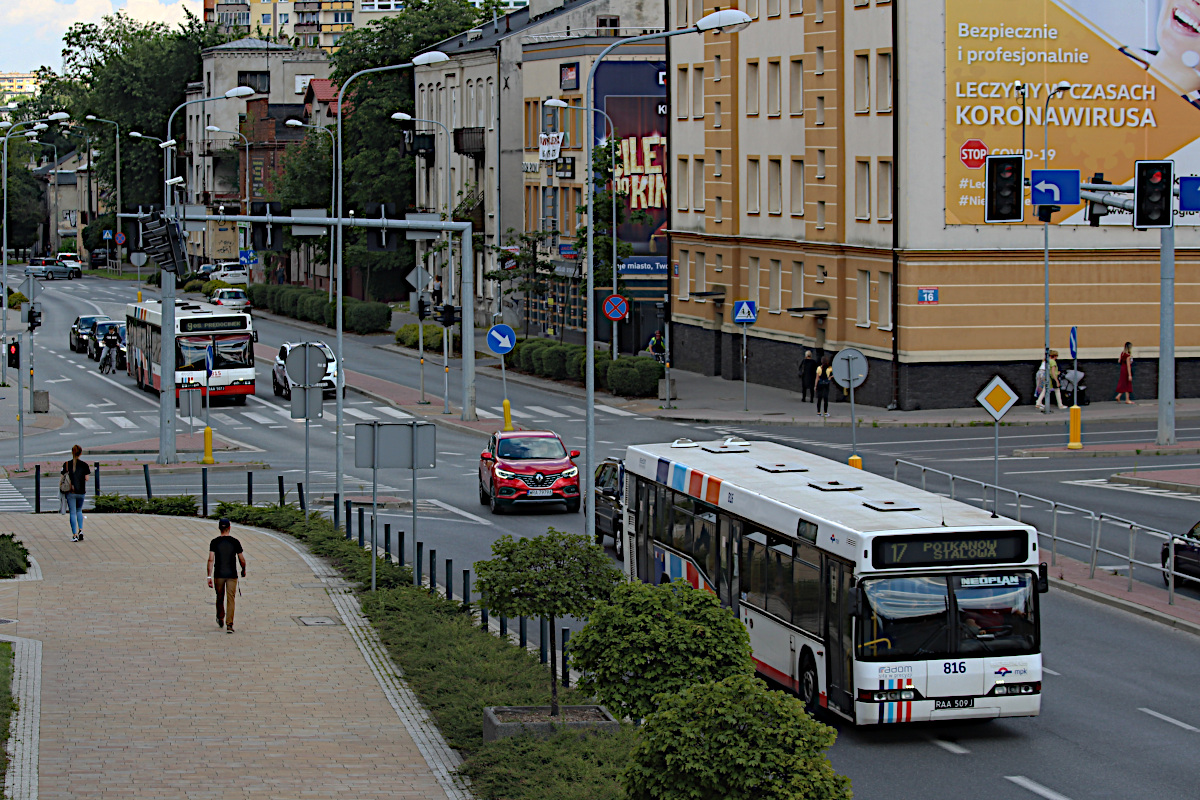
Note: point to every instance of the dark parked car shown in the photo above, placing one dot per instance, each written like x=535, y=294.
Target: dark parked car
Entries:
x=95, y=342
x=98, y=258
x=609, y=477
x=1187, y=556
x=81, y=329
x=528, y=468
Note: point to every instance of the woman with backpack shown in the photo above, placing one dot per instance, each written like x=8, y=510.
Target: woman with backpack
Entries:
x=824, y=379
x=73, y=485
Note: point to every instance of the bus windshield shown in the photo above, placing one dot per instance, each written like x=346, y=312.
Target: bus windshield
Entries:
x=936, y=616
x=232, y=352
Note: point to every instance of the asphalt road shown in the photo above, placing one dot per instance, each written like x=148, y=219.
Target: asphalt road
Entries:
x=1119, y=717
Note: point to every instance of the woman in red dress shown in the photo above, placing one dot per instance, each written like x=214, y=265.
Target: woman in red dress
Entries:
x=1125, y=381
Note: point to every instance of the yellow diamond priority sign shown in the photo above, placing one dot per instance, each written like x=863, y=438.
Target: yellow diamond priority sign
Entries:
x=996, y=398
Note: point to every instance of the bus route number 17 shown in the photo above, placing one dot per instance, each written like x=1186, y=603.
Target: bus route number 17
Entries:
x=954, y=667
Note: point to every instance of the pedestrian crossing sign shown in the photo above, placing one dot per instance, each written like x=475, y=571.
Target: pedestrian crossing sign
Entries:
x=745, y=312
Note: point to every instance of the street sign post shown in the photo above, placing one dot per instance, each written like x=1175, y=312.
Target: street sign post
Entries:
x=305, y=366
x=1189, y=193
x=997, y=397
x=1054, y=187
x=616, y=308
x=745, y=313
x=850, y=372
x=501, y=339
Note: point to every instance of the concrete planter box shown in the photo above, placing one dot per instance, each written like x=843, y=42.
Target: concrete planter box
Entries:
x=662, y=389
x=41, y=401
x=497, y=728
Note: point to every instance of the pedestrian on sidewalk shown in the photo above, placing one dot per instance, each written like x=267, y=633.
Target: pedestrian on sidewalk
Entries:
x=808, y=377
x=224, y=555
x=73, y=485
x=1050, y=382
x=1125, y=378
x=824, y=379
x=436, y=291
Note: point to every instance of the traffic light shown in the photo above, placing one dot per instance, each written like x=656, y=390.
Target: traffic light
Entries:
x=1096, y=210
x=381, y=240
x=1153, y=185
x=266, y=236
x=422, y=308
x=14, y=354
x=163, y=242
x=35, y=315
x=1004, y=189
x=448, y=315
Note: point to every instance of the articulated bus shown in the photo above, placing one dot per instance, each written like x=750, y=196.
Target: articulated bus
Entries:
x=878, y=601
x=198, y=328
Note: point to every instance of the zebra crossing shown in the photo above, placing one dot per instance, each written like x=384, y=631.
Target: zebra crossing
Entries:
x=560, y=415
x=264, y=414
x=11, y=500
x=1103, y=483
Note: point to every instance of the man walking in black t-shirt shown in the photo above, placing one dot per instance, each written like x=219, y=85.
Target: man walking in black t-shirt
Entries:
x=224, y=555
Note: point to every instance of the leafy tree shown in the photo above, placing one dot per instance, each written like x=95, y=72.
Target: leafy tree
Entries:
x=306, y=182
x=651, y=639
x=26, y=205
x=603, y=160
x=734, y=740
x=553, y=575
x=531, y=271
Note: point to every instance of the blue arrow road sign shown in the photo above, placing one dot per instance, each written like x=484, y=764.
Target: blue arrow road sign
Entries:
x=745, y=312
x=1189, y=193
x=501, y=339
x=1054, y=187
x=208, y=361
x=1074, y=342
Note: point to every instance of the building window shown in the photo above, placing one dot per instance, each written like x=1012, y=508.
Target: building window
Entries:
x=797, y=187
x=260, y=82
x=717, y=114
x=266, y=19
x=716, y=68
x=698, y=92
x=819, y=10
x=752, y=8
x=699, y=273
x=883, y=191
x=774, y=186
x=491, y=104
x=343, y=17
x=862, y=83
x=775, y=287
x=681, y=7
x=821, y=163
x=681, y=185
x=718, y=209
x=772, y=8
x=284, y=18
x=795, y=6
x=697, y=9
x=883, y=81
x=681, y=93
x=717, y=165
x=798, y=285
x=606, y=23
x=884, y=306
x=773, y=88
x=796, y=87
x=752, y=279
x=752, y=188
x=820, y=215
x=862, y=189
x=751, y=87
x=819, y=66
x=720, y=263
x=698, y=184
x=533, y=123
x=685, y=274
x=863, y=299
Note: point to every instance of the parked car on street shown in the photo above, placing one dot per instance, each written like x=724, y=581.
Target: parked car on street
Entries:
x=608, y=503
x=234, y=299
x=282, y=385
x=81, y=329
x=98, y=258
x=1187, y=557
x=71, y=262
x=232, y=273
x=47, y=269
x=528, y=468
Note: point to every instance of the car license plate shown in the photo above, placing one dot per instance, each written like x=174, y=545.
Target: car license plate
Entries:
x=954, y=702
x=541, y=492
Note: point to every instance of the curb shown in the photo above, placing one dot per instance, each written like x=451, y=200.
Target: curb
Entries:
x=1128, y=606
x=1154, y=483
x=438, y=419
x=174, y=470
x=1085, y=453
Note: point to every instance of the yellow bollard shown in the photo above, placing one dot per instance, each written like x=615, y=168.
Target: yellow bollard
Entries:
x=1076, y=442
x=856, y=462
x=208, y=457
x=139, y=295
x=507, y=415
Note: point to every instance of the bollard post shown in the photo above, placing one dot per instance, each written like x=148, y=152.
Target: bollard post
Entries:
x=466, y=590
x=417, y=578
x=523, y=627
x=449, y=579
x=37, y=488
x=300, y=495
x=96, y=485
x=483, y=618
x=432, y=569
x=504, y=626
x=387, y=541
x=336, y=508
x=146, y=474
x=249, y=487
x=566, y=673
x=543, y=639
x=400, y=547
x=361, y=527
x=204, y=489
x=348, y=534
x=281, y=494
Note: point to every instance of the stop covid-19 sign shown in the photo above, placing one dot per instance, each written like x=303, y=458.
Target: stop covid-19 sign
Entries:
x=973, y=153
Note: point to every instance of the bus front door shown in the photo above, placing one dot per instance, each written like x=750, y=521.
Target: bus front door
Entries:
x=838, y=645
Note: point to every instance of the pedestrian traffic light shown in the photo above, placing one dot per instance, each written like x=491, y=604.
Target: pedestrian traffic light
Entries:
x=1097, y=210
x=1004, y=189
x=163, y=242
x=266, y=236
x=35, y=315
x=448, y=315
x=422, y=308
x=14, y=354
x=1153, y=186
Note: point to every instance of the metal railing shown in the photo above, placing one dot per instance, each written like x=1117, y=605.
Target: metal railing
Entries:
x=1097, y=524
x=584, y=33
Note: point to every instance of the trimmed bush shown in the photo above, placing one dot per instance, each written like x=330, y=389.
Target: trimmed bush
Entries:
x=16, y=298
x=14, y=556
x=155, y=279
x=554, y=361
x=369, y=317
x=532, y=346
x=193, y=286
x=257, y=292
x=211, y=286
x=635, y=376
x=182, y=506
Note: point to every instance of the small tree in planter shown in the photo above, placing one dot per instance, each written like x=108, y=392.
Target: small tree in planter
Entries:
x=737, y=740
x=652, y=639
x=557, y=574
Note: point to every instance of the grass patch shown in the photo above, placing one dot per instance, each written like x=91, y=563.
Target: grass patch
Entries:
x=8, y=703
x=570, y=766
x=181, y=506
x=14, y=557
x=116, y=276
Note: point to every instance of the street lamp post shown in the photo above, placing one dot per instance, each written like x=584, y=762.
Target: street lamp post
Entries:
x=295, y=123
x=612, y=142
x=94, y=118
x=432, y=57
x=728, y=20
x=215, y=129
x=400, y=116
x=1045, y=215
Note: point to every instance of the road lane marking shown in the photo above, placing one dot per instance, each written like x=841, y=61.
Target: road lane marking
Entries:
x=620, y=412
x=1051, y=672
x=393, y=412
x=259, y=418
x=576, y=410
x=1171, y=720
x=1035, y=787
x=89, y=423
x=483, y=413
x=951, y=747
x=545, y=411
x=354, y=412
x=224, y=419
x=123, y=422
x=461, y=513
x=514, y=412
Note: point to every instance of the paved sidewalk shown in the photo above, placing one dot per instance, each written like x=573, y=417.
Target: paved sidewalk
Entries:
x=142, y=696
x=1175, y=480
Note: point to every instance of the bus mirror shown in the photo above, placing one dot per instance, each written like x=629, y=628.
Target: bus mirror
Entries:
x=854, y=602
x=1043, y=578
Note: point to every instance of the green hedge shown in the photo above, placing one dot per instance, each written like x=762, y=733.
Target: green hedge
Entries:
x=406, y=336
x=194, y=286
x=628, y=376
x=183, y=506
x=312, y=305
x=14, y=556
x=16, y=298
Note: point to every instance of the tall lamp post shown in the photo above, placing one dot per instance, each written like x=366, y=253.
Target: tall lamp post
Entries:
x=432, y=57
x=612, y=142
x=117, y=140
x=1062, y=86
x=55, y=117
x=400, y=116
x=725, y=21
x=295, y=123
x=215, y=129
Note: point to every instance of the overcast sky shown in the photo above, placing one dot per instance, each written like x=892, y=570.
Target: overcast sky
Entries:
x=31, y=30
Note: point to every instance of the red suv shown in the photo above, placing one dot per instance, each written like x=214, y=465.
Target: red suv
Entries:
x=527, y=468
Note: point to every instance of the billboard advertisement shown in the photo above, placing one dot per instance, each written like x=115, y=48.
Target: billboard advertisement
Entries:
x=1134, y=94
x=633, y=94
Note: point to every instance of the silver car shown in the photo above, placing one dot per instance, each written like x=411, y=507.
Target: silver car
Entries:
x=49, y=270
x=233, y=299
x=281, y=384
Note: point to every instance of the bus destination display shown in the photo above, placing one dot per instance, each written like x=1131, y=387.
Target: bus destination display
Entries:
x=212, y=324
x=949, y=549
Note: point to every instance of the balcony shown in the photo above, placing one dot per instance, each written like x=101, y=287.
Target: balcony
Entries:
x=469, y=142
x=306, y=27
x=298, y=7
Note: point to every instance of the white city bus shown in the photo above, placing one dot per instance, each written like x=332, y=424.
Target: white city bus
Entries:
x=198, y=327
x=879, y=601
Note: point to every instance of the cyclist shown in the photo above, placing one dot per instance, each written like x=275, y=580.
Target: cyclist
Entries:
x=657, y=346
x=111, y=341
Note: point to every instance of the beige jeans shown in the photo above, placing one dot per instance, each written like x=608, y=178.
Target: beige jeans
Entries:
x=226, y=589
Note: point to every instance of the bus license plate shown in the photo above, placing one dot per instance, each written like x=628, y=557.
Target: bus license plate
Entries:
x=541, y=492
x=954, y=702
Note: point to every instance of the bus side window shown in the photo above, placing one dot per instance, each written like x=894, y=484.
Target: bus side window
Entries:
x=806, y=590
x=779, y=577
x=754, y=568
